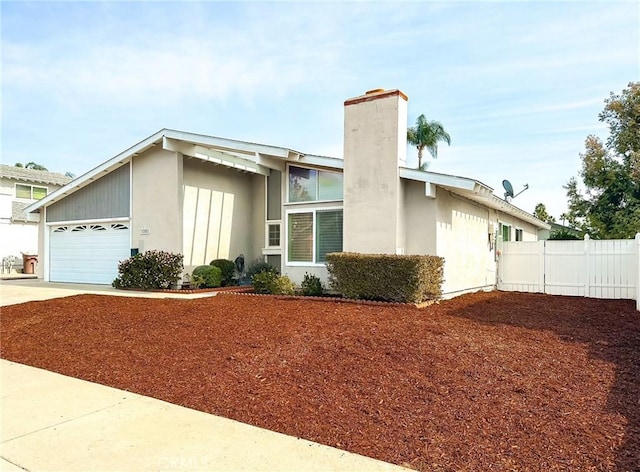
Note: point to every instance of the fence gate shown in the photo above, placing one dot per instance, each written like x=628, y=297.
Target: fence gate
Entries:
x=589, y=268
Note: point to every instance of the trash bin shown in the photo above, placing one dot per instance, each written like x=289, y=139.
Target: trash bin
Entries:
x=29, y=262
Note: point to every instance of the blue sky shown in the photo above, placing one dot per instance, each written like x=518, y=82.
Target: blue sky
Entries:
x=518, y=85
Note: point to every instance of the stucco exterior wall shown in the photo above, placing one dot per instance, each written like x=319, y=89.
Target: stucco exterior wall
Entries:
x=18, y=238
x=375, y=129
x=529, y=232
x=156, y=197
x=221, y=209
x=462, y=238
x=258, y=218
x=420, y=219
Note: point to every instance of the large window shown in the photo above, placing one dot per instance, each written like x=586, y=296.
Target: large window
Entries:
x=313, y=234
x=30, y=192
x=311, y=185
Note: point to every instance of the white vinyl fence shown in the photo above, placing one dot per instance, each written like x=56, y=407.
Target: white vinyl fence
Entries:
x=588, y=268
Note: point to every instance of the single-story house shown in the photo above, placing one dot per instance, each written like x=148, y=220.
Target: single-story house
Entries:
x=208, y=197
x=20, y=187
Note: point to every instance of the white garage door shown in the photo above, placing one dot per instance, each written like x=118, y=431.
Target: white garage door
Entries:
x=87, y=253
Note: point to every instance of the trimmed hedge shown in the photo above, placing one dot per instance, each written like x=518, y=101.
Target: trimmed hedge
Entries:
x=207, y=276
x=386, y=277
x=228, y=269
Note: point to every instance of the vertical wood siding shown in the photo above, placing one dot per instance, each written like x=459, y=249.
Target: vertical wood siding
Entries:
x=107, y=197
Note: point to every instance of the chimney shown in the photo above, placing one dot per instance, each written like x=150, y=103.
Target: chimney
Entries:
x=375, y=145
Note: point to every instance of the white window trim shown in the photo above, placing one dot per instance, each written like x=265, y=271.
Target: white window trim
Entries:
x=317, y=169
x=313, y=211
x=15, y=191
x=266, y=231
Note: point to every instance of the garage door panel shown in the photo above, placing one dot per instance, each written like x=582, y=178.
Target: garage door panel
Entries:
x=87, y=253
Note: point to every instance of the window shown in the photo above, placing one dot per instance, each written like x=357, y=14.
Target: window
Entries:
x=506, y=232
x=311, y=185
x=313, y=234
x=30, y=192
x=518, y=234
x=301, y=237
x=328, y=233
x=274, y=235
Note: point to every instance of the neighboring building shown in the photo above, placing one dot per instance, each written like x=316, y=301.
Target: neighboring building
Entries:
x=558, y=228
x=209, y=197
x=20, y=187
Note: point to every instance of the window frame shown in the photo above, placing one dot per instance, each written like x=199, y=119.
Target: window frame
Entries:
x=31, y=187
x=519, y=231
x=317, y=185
x=501, y=226
x=269, y=224
x=314, y=242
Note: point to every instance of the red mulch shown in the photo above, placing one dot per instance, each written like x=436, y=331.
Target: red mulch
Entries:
x=489, y=381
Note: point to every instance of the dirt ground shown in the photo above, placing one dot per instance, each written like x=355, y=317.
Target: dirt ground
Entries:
x=489, y=381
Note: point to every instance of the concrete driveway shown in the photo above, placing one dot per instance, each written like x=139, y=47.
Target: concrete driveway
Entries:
x=26, y=290
x=57, y=423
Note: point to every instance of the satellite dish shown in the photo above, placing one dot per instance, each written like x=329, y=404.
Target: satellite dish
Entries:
x=508, y=189
x=508, y=194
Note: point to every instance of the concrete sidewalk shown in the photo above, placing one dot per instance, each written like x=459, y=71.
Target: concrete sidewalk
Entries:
x=53, y=422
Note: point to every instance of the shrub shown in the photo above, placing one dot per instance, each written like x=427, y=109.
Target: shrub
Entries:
x=268, y=282
x=211, y=276
x=283, y=286
x=386, y=277
x=564, y=235
x=258, y=266
x=228, y=269
x=149, y=270
x=311, y=285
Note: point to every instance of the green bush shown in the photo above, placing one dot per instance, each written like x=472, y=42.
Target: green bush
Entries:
x=284, y=286
x=260, y=265
x=386, y=277
x=563, y=235
x=264, y=282
x=149, y=270
x=228, y=269
x=268, y=282
x=211, y=276
x=311, y=286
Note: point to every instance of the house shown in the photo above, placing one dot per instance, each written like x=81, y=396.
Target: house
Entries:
x=19, y=187
x=209, y=197
x=556, y=228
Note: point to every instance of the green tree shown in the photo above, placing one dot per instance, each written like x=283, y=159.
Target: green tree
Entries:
x=609, y=205
x=31, y=165
x=540, y=212
x=427, y=134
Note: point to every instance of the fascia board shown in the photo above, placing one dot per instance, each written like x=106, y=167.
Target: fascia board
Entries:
x=322, y=161
x=231, y=144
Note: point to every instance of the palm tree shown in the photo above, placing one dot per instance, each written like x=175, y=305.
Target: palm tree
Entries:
x=427, y=134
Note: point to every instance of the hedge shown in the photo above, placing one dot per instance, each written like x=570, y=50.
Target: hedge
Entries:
x=386, y=277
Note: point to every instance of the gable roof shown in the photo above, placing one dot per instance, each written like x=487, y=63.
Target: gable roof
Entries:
x=241, y=155
x=33, y=175
x=259, y=158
